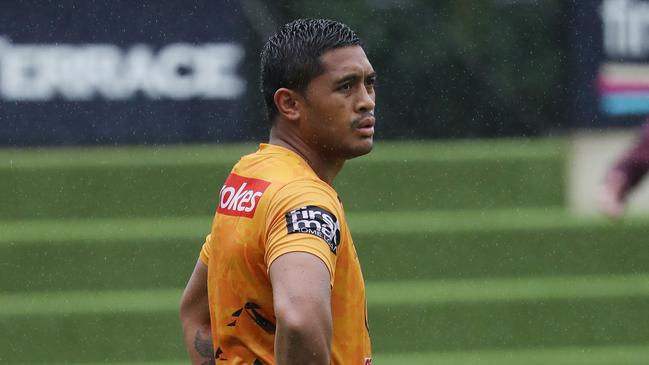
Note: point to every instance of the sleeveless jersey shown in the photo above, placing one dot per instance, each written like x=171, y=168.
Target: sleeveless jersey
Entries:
x=273, y=203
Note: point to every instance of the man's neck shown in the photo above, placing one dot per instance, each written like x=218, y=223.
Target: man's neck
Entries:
x=325, y=167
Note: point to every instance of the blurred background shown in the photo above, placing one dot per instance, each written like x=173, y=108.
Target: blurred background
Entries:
x=475, y=218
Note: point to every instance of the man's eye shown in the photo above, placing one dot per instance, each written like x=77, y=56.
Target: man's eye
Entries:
x=345, y=87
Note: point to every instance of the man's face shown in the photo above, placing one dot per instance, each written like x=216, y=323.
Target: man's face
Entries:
x=339, y=112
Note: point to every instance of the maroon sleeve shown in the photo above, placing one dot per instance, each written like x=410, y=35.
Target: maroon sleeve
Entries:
x=635, y=161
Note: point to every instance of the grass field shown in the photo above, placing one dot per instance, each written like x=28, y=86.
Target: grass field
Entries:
x=467, y=250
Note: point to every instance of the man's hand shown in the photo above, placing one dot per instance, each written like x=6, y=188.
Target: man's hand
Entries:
x=302, y=301
x=195, y=318
x=611, y=194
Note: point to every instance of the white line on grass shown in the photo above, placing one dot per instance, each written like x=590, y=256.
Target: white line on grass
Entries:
x=378, y=294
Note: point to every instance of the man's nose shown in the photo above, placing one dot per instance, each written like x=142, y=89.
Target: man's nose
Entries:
x=366, y=100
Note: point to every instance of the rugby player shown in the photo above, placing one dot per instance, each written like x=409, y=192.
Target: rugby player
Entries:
x=278, y=280
x=625, y=175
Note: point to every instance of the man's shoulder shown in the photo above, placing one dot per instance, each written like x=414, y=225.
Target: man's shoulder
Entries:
x=308, y=195
x=271, y=167
x=283, y=179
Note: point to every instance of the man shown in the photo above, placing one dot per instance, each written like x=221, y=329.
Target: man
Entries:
x=625, y=175
x=279, y=276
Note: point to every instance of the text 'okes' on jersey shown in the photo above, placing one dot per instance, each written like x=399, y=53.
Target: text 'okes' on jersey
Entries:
x=239, y=195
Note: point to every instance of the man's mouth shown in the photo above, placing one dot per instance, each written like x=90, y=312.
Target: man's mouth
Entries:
x=366, y=125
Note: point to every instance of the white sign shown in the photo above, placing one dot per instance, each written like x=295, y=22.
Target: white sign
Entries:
x=626, y=28
x=179, y=71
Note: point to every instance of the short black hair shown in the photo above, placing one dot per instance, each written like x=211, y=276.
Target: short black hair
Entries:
x=291, y=57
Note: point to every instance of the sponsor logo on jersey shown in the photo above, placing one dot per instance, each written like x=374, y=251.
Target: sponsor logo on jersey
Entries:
x=368, y=361
x=240, y=195
x=316, y=221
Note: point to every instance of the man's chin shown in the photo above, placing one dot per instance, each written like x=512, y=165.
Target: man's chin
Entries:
x=361, y=149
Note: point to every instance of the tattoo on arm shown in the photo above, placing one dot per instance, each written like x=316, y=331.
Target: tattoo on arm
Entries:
x=204, y=347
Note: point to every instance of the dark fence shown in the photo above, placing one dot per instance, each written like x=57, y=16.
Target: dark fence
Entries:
x=106, y=72
x=120, y=72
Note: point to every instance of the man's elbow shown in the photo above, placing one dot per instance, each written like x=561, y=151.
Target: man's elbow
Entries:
x=303, y=324
x=185, y=311
x=296, y=323
x=191, y=311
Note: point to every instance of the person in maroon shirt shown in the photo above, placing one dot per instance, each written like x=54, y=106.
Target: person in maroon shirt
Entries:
x=625, y=175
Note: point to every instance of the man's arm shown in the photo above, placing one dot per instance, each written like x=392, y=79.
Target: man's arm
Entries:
x=625, y=175
x=195, y=317
x=302, y=301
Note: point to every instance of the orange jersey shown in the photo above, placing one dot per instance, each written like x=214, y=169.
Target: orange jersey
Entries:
x=271, y=204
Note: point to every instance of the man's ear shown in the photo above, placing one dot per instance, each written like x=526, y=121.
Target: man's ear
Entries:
x=289, y=103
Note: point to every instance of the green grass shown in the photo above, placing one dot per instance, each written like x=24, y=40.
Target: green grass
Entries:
x=94, y=230
x=153, y=156
x=117, y=254
x=73, y=157
x=16, y=231
x=87, y=302
x=502, y=290
x=618, y=355
x=380, y=293
x=424, y=316
x=606, y=355
x=468, y=254
x=184, y=180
